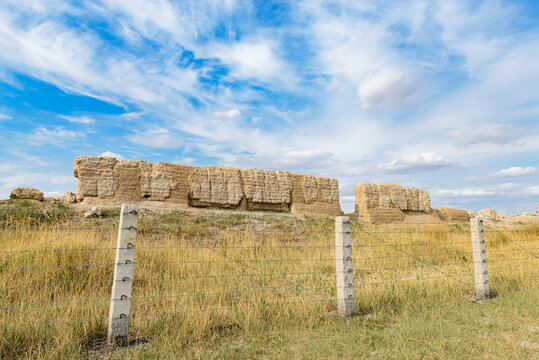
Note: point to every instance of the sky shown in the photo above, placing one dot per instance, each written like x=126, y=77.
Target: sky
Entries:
x=440, y=95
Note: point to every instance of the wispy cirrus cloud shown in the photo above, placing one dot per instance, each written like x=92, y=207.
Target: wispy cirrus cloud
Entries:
x=79, y=119
x=157, y=138
x=57, y=136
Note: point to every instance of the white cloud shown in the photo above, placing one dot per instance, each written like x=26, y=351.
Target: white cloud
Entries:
x=160, y=14
x=46, y=182
x=416, y=162
x=79, y=62
x=132, y=115
x=57, y=136
x=165, y=21
x=347, y=48
x=516, y=171
x=352, y=171
x=338, y=85
x=295, y=160
x=5, y=117
x=251, y=59
x=9, y=79
x=479, y=33
x=185, y=160
x=111, y=154
x=532, y=190
x=387, y=88
x=347, y=203
x=157, y=138
x=52, y=193
x=32, y=159
x=305, y=156
x=508, y=186
x=470, y=134
x=62, y=180
x=232, y=113
x=465, y=192
x=46, y=47
x=78, y=119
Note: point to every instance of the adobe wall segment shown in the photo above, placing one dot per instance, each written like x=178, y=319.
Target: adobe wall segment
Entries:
x=386, y=203
x=452, y=215
x=390, y=203
x=107, y=181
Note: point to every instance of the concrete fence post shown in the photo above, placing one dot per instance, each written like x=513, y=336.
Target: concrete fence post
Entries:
x=344, y=269
x=482, y=289
x=120, y=302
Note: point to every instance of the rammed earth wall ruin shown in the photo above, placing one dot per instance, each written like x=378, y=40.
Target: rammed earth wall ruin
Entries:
x=391, y=203
x=107, y=181
x=385, y=203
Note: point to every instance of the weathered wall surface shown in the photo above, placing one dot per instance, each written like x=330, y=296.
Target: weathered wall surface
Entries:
x=318, y=195
x=452, y=215
x=489, y=214
x=386, y=203
x=107, y=181
x=26, y=193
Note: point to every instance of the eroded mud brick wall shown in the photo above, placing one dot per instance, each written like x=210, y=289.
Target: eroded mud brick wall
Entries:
x=311, y=194
x=452, y=215
x=388, y=203
x=107, y=181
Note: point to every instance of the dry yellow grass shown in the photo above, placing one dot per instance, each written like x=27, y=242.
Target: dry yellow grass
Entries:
x=200, y=277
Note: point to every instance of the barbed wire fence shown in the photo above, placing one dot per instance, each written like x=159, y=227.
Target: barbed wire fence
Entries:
x=474, y=260
x=48, y=285
x=212, y=272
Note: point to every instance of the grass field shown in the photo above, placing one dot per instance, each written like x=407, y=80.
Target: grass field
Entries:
x=262, y=285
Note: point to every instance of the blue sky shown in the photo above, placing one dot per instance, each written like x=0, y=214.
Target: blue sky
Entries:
x=441, y=95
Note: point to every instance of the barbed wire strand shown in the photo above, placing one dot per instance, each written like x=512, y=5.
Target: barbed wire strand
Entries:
x=57, y=250
x=58, y=228
x=39, y=245
x=55, y=267
x=167, y=278
x=71, y=323
x=417, y=258
x=531, y=252
x=243, y=261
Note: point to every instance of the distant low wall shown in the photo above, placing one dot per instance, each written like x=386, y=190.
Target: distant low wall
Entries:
x=107, y=181
x=386, y=203
x=452, y=215
x=390, y=203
